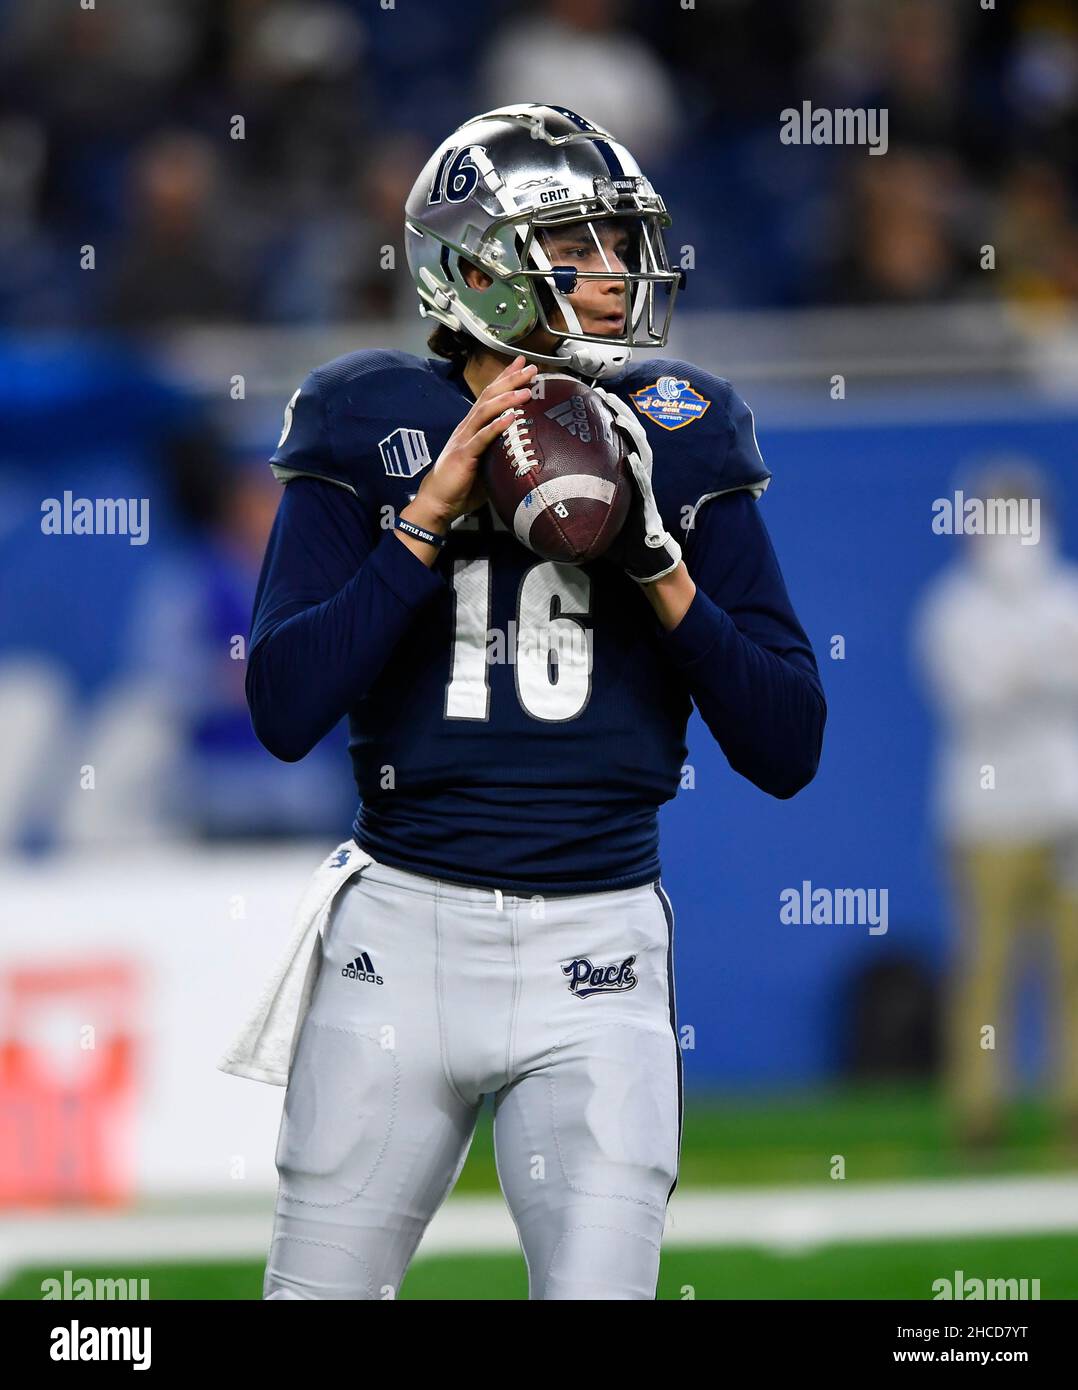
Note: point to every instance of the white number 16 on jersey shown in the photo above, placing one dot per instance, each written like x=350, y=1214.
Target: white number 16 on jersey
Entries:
x=549, y=649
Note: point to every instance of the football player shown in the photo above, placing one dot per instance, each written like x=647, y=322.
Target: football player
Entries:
x=507, y=932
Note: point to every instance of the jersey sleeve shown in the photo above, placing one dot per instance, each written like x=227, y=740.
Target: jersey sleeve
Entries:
x=744, y=655
x=305, y=448
x=333, y=602
x=733, y=461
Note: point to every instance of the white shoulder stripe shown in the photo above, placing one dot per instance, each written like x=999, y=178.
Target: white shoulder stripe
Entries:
x=285, y=475
x=757, y=490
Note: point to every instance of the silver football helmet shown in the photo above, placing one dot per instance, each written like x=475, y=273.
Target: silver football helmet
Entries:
x=496, y=193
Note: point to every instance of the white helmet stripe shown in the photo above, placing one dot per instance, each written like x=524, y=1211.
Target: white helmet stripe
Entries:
x=492, y=178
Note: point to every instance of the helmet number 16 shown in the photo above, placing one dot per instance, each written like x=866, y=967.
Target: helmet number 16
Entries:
x=457, y=177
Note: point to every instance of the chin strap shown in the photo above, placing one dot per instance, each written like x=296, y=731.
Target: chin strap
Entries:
x=594, y=360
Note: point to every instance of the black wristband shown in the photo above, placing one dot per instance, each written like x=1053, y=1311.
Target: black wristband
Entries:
x=419, y=533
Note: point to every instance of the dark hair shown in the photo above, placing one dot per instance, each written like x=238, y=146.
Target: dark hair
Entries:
x=451, y=343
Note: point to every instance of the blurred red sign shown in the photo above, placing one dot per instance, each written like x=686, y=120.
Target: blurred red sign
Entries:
x=67, y=1082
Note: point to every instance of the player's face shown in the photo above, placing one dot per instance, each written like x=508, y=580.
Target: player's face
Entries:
x=592, y=246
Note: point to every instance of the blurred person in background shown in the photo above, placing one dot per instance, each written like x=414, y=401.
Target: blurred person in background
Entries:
x=1040, y=78
x=922, y=85
x=76, y=85
x=372, y=288
x=187, y=636
x=30, y=267
x=175, y=265
x=97, y=70
x=576, y=53
x=997, y=636
x=1036, y=237
x=900, y=244
x=346, y=263
x=296, y=74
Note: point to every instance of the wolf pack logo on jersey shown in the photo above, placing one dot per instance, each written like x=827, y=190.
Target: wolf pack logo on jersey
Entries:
x=404, y=452
x=362, y=968
x=586, y=979
x=572, y=415
x=670, y=402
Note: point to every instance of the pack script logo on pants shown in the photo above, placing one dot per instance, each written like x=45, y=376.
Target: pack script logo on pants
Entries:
x=586, y=979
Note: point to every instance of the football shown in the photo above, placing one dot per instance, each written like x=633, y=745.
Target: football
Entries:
x=557, y=477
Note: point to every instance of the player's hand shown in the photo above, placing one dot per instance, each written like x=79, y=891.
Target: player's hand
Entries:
x=644, y=548
x=454, y=487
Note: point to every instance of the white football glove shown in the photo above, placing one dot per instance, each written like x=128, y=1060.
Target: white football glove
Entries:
x=644, y=548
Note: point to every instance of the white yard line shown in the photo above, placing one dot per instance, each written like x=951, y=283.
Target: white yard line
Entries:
x=787, y=1219
x=841, y=1212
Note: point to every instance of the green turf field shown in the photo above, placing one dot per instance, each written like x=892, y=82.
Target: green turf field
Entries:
x=878, y=1271
x=884, y=1134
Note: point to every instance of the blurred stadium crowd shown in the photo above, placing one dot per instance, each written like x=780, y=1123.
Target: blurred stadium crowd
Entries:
x=116, y=131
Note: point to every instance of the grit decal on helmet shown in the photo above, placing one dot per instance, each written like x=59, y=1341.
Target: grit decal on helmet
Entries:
x=497, y=193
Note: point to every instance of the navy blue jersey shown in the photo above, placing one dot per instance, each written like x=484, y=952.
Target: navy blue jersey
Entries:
x=480, y=754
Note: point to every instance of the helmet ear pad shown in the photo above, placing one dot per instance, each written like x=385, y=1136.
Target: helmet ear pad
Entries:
x=506, y=304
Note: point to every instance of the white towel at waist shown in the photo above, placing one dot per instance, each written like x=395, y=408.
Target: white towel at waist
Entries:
x=264, y=1047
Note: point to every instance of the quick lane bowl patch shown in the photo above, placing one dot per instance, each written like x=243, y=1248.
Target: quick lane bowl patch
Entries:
x=670, y=402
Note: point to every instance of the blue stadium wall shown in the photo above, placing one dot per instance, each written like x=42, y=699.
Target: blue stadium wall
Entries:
x=850, y=514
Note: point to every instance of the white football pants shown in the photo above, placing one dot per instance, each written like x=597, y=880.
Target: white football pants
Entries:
x=433, y=994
